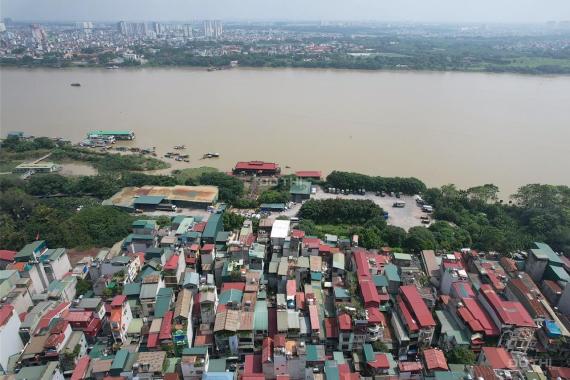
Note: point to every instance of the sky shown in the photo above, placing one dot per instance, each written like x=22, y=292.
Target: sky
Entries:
x=495, y=11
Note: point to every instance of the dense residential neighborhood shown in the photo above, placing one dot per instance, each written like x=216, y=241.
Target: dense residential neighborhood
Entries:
x=189, y=300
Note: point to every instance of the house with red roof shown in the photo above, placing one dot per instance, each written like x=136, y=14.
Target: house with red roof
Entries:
x=376, y=324
x=309, y=174
x=434, y=360
x=497, y=358
x=515, y=323
x=369, y=293
x=256, y=167
x=478, y=323
x=6, y=257
x=83, y=320
x=416, y=319
x=120, y=318
x=558, y=373
x=81, y=367
x=174, y=270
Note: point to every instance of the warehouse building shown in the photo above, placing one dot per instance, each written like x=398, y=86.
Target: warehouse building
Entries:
x=165, y=198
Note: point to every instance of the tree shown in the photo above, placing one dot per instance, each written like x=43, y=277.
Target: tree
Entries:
x=460, y=355
x=273, y=196
x=380, y=346
x=230, y=188
x=83, y=286
x=337, y=211
x=232, y=221
x=163, y=221
x=419, y=238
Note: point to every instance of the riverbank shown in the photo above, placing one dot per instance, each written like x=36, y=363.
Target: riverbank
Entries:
x=531, y=70
x=458, y=128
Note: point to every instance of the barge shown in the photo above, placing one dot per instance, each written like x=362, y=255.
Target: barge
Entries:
x=117, y=134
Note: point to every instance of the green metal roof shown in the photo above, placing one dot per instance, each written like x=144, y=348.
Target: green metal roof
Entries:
x=162, y=305
x=339, y=357
x=556, y=273
x=331, y=370
x=341, y=293
x=111, y=132
x=272, y=206
x=232, y=295
x=28, y=250
x=391, y=273
x=544, y=252
x=301, y=187
x=316, y=276
x=261, y=316
x=132, y=289
x=213, y=225
x=33, y=372
x=54, y=254
x=144, y=223
x=451, y=328
x=369, y=354
x=217, y=365
x=200, y=350
x=402, y=256
x=315, y=353
x=120, y=360
x=380, y=280
x=141, y=237
x=148, y=200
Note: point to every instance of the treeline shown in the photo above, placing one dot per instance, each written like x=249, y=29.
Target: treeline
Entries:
x=346, y=217
x=23, y=218
x=474, y=218
x=355, y=181
x=107, y=161
x=536, y=213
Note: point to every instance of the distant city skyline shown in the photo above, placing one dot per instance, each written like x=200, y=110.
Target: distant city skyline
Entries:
x=449, y=11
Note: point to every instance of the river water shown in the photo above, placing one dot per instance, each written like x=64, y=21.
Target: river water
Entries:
x=462, y=128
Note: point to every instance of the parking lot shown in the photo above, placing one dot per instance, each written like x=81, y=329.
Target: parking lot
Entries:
x=406, y=217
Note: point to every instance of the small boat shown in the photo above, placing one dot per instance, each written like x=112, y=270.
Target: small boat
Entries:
x=76, y=85
x=180, y=147
x=112, y=67
x=186, y=160
x=211, y=155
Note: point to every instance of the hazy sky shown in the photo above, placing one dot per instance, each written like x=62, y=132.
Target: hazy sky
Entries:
x=378, y=10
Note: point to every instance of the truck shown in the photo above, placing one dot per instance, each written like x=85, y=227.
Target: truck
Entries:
x=166, y=207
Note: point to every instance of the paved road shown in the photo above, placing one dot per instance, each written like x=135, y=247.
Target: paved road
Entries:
x=406, y=217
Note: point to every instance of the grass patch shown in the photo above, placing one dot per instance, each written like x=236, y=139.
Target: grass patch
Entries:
x=194, y=174
x=7, y=166
x=534, y=62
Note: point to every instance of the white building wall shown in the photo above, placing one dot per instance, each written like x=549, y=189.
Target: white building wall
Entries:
x=564, y=302
x=60, y=266
x=10, y=341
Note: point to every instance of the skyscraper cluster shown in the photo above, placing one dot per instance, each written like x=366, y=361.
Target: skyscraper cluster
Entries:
x=213, y=28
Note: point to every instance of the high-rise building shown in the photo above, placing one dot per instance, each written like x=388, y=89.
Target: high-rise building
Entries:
x=38, y=34
x=122, y=26
x=213, y=28
x=86, y=26
x=188, y=31
x=2, y=27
